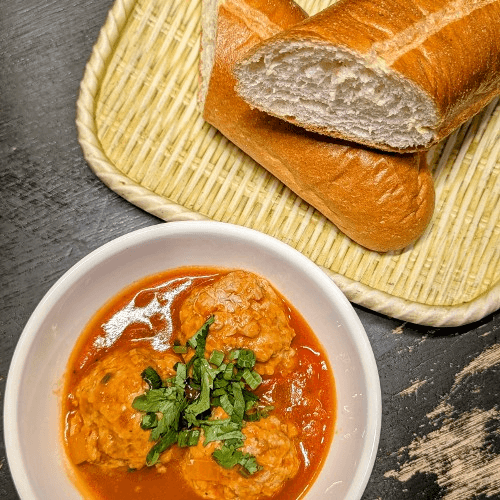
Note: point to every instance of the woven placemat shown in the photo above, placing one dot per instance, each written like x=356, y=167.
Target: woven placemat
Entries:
x=142, y=133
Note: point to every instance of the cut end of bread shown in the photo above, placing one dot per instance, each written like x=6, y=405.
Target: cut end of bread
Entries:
x=208, y=40
x=329, y=90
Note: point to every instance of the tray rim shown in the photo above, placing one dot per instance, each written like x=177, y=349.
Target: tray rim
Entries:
x=167, y=210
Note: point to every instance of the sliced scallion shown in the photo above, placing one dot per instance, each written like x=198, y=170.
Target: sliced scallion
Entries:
x=252, y=378
x=180, y=349
x=216, y=358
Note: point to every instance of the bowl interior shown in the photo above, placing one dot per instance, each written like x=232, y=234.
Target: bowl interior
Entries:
x=32, y=401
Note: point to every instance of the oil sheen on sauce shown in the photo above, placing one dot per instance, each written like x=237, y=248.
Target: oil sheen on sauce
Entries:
x=145, y=314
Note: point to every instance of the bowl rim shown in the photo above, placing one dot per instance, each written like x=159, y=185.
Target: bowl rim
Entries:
x=15, y=460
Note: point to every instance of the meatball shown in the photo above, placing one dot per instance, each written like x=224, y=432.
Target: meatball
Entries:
x=269, y=440
x=248, y=313
x=103, y=428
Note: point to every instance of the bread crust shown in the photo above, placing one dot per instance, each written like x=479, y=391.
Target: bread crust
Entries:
x=448, y=49
x=382, y=201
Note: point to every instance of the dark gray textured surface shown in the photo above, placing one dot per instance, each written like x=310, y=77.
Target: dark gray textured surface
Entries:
x=54, y=211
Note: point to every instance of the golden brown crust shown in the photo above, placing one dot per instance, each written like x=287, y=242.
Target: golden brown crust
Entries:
x=450, y=49
x=382, y=201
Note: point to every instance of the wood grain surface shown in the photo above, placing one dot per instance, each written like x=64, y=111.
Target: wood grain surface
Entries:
x=441, y=387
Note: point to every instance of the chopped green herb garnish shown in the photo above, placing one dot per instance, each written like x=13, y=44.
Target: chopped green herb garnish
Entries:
x=258, y=414
x=252, y=378
x=106, y=378
x=202, y=403
x=249, y=465
x=152, y=378
x=167, y=440
x=180, y=349
x=198, y=340
x=250, y=399
x=188, y=437
x=155, y=400
x=211, y=371
x=220, y=383
x=181, y=375
x=149, y=421
x=226, y=404
x=229, y=371
x=227, y=430
x=228, y=457
x=239, y=403
x=234, y=354
x=216, y=358
x=177, y=409
x=246, y=359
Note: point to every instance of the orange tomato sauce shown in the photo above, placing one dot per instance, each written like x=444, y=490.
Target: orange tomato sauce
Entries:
x=306, y=397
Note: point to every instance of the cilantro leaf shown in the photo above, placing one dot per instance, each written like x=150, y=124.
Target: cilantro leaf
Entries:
x=225, y=430
x=152, y=378
x=149, y=421
x=225, y=456
x=188, y=437
x=228, y=457
x=202, y=403
x=154, y=399
x=239, y=403
x=167, y=440
x=199, y=339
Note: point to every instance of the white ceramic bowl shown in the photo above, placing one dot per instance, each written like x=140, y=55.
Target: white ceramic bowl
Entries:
x=32, y=399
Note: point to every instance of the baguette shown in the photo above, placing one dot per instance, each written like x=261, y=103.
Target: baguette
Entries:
x=398, y=75
x=381, y=201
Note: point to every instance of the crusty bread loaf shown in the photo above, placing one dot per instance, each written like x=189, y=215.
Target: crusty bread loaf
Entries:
x=382, y=201
x=399, y=75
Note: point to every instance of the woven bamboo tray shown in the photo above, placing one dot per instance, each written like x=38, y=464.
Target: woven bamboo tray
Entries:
x=142, y=134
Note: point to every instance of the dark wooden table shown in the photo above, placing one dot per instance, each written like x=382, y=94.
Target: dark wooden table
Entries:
x=441, y=387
